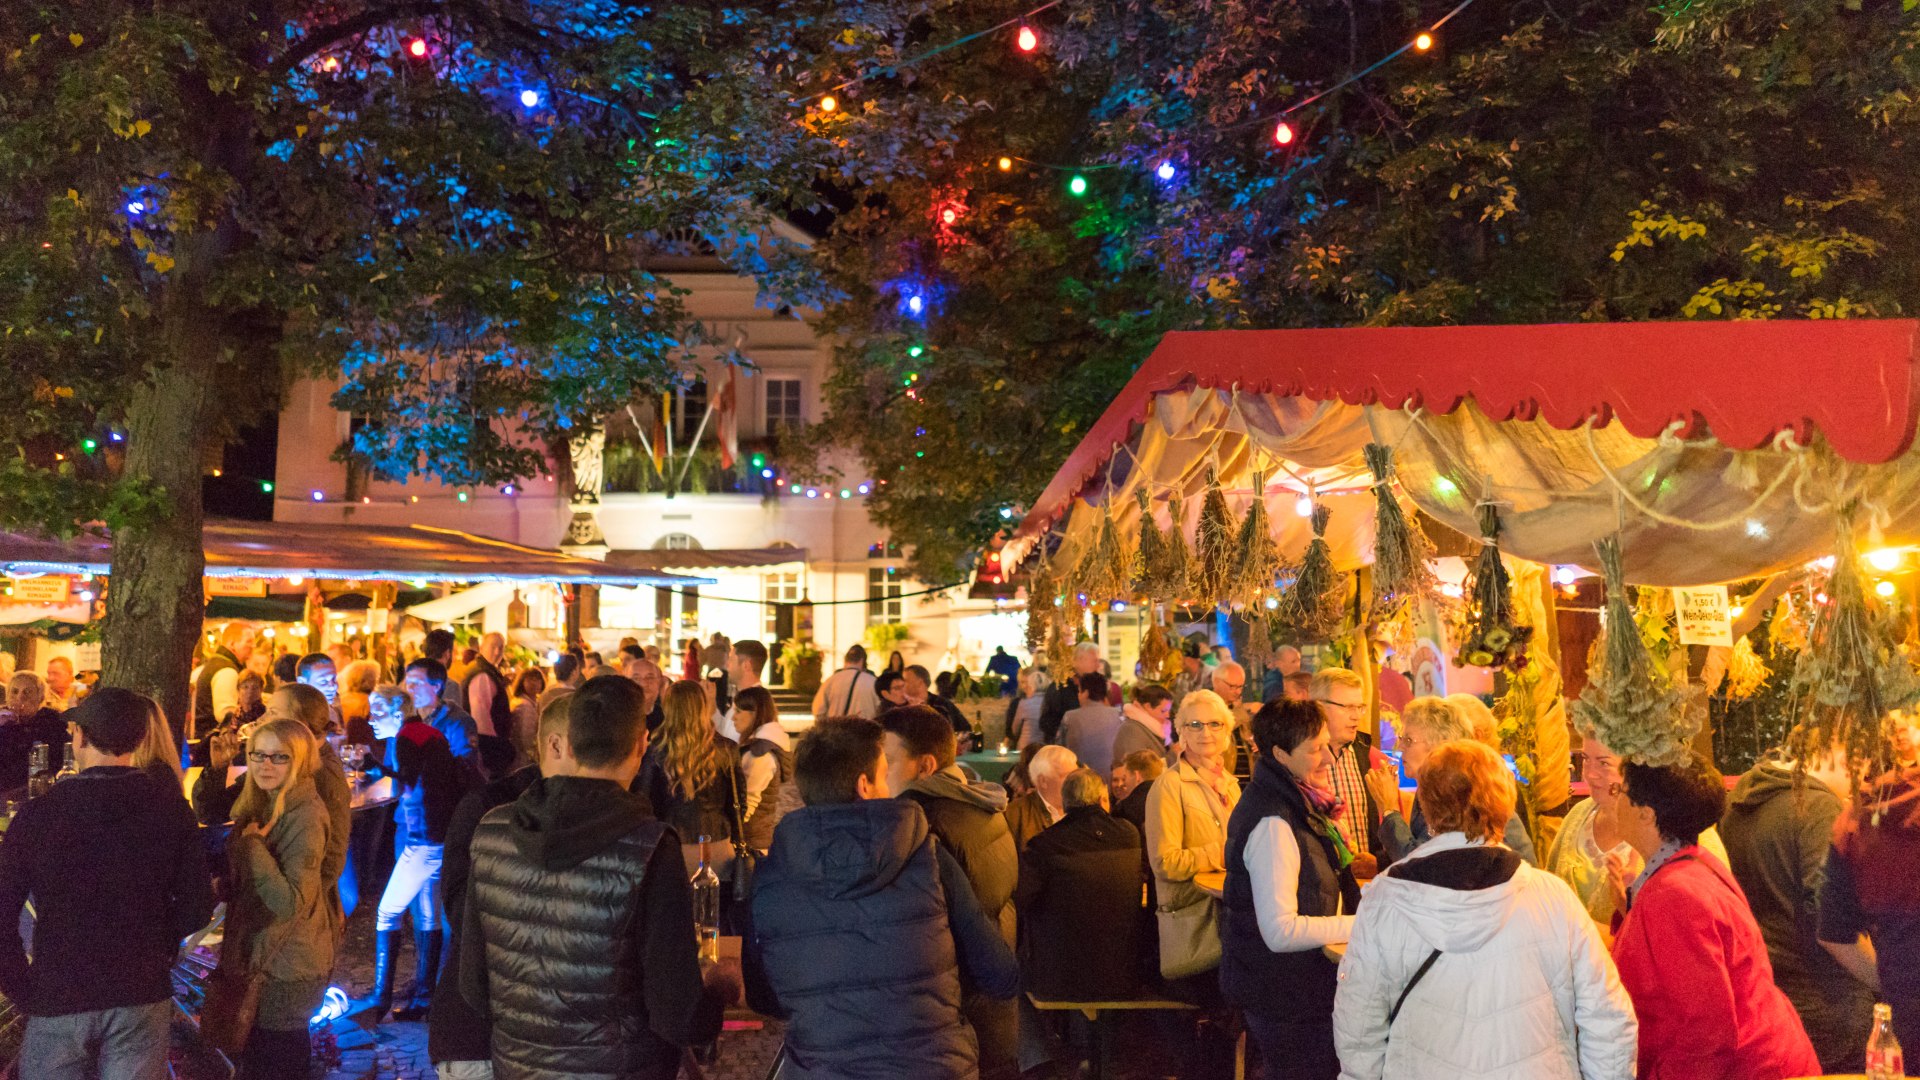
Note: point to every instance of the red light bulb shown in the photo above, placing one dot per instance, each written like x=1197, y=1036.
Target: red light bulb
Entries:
x=949, y=216
x=417, y=47
x=1283, y=134
x=1028, y=40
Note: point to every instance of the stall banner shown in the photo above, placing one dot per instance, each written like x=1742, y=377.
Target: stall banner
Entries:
x=236, y=586
x=1705, y=616
x=46, y=589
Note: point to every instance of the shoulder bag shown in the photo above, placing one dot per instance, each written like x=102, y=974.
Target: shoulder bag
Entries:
x=1189, y=934
x=744, y=857
x=232, y=1000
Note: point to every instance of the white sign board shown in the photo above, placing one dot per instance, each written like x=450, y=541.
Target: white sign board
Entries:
x=1704, y=615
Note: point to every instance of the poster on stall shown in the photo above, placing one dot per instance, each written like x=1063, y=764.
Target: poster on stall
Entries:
x=46, y=589
x=236, y=586
x=1705, y=616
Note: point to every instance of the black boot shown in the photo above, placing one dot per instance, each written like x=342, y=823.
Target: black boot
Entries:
x=381, y=999
x=426, y=972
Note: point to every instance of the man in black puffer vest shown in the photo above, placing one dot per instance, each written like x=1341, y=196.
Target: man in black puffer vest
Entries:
x=1290, y=892
x=863, y=926
x=967, y=818
x=578, y=937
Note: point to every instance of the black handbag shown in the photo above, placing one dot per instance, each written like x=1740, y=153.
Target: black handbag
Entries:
x=744, y=857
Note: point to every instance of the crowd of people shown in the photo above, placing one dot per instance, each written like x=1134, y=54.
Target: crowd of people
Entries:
x=1254, y=858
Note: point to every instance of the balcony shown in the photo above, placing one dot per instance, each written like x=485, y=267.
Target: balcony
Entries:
x=628, y=469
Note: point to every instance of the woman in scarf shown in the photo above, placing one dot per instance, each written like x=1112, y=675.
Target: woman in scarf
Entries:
x=1290, y=893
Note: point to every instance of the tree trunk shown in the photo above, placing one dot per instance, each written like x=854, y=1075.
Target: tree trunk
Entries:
x=155, y=599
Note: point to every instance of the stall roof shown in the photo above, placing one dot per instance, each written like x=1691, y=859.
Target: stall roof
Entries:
x=286, y=549
x=1690, y=440
x=704, y=558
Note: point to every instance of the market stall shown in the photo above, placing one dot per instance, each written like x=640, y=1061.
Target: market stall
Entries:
x=1285, y=476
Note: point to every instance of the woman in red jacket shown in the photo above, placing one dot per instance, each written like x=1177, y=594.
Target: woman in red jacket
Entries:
x=1687, y=947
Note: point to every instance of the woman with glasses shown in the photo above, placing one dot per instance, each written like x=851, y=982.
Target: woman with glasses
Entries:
x=1591, y=852
x=278, y=928
x=1187, y=814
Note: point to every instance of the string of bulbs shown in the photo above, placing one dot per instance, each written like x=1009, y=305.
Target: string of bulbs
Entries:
x=1027, y=40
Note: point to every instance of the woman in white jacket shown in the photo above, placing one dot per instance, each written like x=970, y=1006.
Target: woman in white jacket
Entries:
x=1465, y=962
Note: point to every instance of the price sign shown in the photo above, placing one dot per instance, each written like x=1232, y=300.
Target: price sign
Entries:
x=1705, y=616
x=48, y=589
x=236, y=586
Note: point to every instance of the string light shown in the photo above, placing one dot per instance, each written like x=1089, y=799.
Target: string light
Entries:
x=417, y=48
x=331, y=63
x=1884, y=588
x=1028, y=40
x=1078, y=185
x=914, y=350
x=829, y=103
x=1006, y=164
x=1303, y=506
x=530, y=98
x=949, y=215
x=1283, y=133
x=1423, y=42
x=1165, y=171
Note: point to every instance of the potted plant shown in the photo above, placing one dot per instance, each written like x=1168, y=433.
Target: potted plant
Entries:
x=883, y=638
x=803, y=659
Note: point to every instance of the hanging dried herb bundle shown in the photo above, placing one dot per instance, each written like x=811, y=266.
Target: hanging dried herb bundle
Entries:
x=1315, y=605
x=1060, y=642
x=1106, y=570
x=1153, y=648
x=1214, y=544
x=1257, y=556
x=1149, y=554
x=1043, y=590
x=1629, y=704
x=1173, y=575
x=1850, y=675
x=1402, y=554
x=1492, y=639
x=1746, y=672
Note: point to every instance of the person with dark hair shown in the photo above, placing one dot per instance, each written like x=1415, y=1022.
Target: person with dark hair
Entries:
x=1093, y=730
x=1688, y=950
x=745, y=661
x=1005, y=665
x=1778, y=830
x=1290, y=893
x=1064, y=696
x=865, y=933
x=849, y=691
x=439, y=646
x=1870, y=898
x=425, y=682
x=896, y=663
x=527, y=688
x=920, y=692
x=286, y=669
x=891, y=686
x=766, y=764
x=966, y=817
x=214, y=692
x=317, y=670
x=1079, y=901
x=1465, y=961
x=1149, y=716
x=428, y=784
x=578, y=938
x=113, y=864
x=566, y=670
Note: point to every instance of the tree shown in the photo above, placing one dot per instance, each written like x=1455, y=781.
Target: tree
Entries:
x=1544, y=161
x=449, y=202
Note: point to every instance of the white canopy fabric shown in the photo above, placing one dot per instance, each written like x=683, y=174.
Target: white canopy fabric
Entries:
x=463, y=603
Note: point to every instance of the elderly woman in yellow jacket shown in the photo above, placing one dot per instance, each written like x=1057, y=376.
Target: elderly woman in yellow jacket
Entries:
x=1187, y=813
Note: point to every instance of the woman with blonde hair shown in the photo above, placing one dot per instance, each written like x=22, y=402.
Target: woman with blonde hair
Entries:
x=692, y=776
x=278, y=930
x=158, y=755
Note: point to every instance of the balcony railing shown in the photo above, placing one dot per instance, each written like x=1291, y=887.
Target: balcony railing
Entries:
x=628, y=469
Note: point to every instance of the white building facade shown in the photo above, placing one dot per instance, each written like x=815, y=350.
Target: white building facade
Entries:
x=746, y=526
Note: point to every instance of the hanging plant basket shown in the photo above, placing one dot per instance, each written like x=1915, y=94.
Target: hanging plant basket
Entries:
x=1850, y=676
x=1630, y=705
x=1214, y=543
x=1492, y=637
x=1402, y=554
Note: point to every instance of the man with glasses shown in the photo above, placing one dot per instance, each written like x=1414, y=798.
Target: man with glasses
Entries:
x=1342, y=697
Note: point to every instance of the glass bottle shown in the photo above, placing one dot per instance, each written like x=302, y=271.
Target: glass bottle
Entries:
x=706, y=905
x=67, y=767
x=39, y=771
x=1884, y=1061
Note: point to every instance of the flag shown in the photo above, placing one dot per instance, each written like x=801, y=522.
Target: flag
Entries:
x=730, y=419
x=659, y=446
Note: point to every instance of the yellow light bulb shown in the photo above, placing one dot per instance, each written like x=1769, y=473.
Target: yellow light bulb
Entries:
x=828, y=103
x=1885, y=559
x=1423, y=42
x=1884, y=588
x=1006, y=164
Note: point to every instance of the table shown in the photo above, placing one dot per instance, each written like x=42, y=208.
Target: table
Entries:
x=990, y=764
x=1214, y=884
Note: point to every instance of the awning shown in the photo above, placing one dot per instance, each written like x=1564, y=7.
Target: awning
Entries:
x=677, y=559
x=275, y=549
x=465, y=602
x=1689, y=439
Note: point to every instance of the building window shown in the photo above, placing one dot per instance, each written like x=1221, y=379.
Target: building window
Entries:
x=781, y=588
x=677, y=542
x=884, y=586
x=783, y=406
x=688, y=412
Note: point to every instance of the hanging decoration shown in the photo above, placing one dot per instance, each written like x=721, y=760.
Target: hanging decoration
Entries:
x=1257, y=562
x=1042, y=595
x=1315, y=605
x=1105, y=572
x=1170, y=577
x=1402, y=554
x=1150, y=553
x=1492, y=639
x=1850, y=677
x=1746, y=672
x=1214, y=544
x=1631, y=705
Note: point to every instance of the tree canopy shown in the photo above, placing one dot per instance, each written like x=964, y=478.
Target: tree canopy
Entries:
x=1546, y=160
